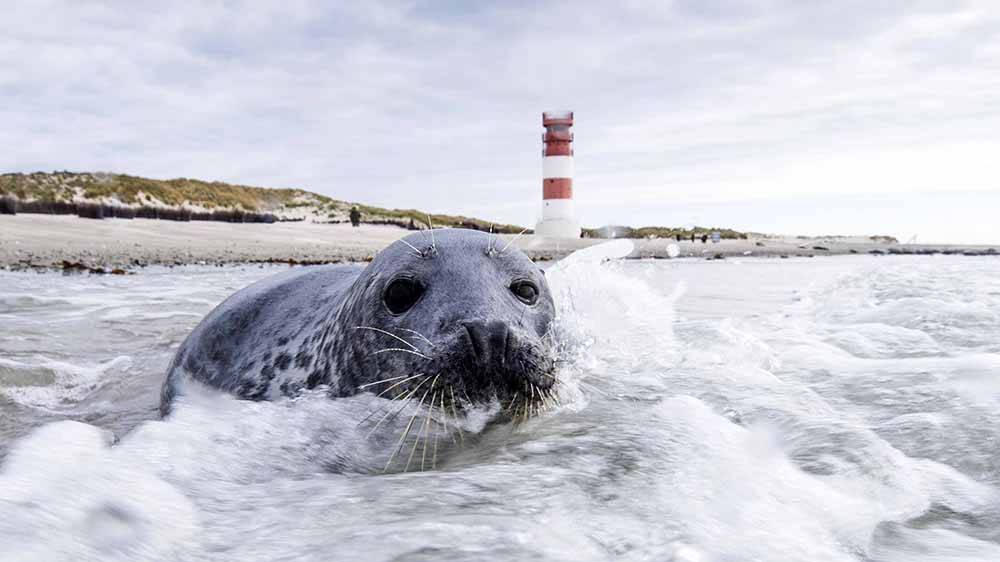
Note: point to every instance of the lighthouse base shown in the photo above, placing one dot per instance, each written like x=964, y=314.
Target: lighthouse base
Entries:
x=557, y=228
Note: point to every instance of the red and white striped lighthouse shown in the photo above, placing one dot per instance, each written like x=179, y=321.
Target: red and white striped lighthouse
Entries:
x=558, y=216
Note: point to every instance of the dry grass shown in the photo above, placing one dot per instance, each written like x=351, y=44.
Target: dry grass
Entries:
x=185, y=192
x=132, y=190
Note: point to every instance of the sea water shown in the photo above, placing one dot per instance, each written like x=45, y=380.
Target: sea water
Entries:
x=843, y=408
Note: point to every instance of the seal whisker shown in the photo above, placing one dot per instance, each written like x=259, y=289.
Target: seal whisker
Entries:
x=512, y=241
x=547, y=330
x=513, y=414
x=434, y=460
x=427, y=433
x=427, y=423
x=546, y=401
x=430, y=224
x=421, y=336
x=554, y=379
x=454, y=412
x=406, y=393
x=390, y=334
x=402, y=438
x=379, y=395
x=409, y=393
x=419, y=253
x=491, y=247
x=401, y=350
x=444, y=422
x=546, y=406
x=416, y=443
x=383, y=381
x=552, y=399
x=540, y=401
x=530, y=404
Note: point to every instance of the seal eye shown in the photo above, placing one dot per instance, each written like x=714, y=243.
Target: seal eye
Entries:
x=402, y=294
x=525, y=291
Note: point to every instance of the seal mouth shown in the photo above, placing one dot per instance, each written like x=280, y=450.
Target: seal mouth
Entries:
x=442, y=404
x=478, y=364
x=489, y=361
x=480, y=374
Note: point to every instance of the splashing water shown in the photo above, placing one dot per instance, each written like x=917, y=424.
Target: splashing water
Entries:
x=825, y=409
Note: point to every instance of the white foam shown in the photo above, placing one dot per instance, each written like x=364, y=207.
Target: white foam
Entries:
x=65, y=495
x=52, y=385
x=830, y=410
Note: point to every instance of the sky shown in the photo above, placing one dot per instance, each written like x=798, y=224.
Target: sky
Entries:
x=779, y=116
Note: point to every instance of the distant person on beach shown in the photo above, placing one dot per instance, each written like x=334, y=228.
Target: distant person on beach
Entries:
x=692, y=237
x=355, y=216
x=704, y=239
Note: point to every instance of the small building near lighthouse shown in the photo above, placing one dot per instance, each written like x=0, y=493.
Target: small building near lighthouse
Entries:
x=558, y=214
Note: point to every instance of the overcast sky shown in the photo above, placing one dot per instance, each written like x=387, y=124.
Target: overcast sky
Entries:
x=792, y=116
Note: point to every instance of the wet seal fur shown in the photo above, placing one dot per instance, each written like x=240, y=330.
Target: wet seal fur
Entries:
x=448, y=312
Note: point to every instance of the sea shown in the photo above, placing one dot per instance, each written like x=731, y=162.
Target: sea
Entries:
x=825, y=409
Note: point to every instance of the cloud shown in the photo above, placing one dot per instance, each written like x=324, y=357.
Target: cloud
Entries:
x=437, y=105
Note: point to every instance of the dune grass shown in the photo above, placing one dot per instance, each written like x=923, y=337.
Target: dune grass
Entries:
x=54, y=187
x=132, y=190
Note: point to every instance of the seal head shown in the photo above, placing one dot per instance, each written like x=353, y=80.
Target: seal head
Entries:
x=451, y=312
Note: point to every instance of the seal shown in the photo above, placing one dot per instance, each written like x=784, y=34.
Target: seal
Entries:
x=446, y=314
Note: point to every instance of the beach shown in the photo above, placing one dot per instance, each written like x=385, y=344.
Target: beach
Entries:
x=54, y=241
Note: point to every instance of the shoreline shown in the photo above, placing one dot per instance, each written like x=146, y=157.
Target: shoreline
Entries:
x=120, y=246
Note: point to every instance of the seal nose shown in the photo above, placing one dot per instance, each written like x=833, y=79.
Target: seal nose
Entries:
x=489, y=343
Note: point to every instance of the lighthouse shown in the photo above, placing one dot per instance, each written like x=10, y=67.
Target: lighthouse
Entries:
x=558, y=215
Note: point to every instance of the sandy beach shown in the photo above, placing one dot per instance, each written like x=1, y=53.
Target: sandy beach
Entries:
x=43, y=241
